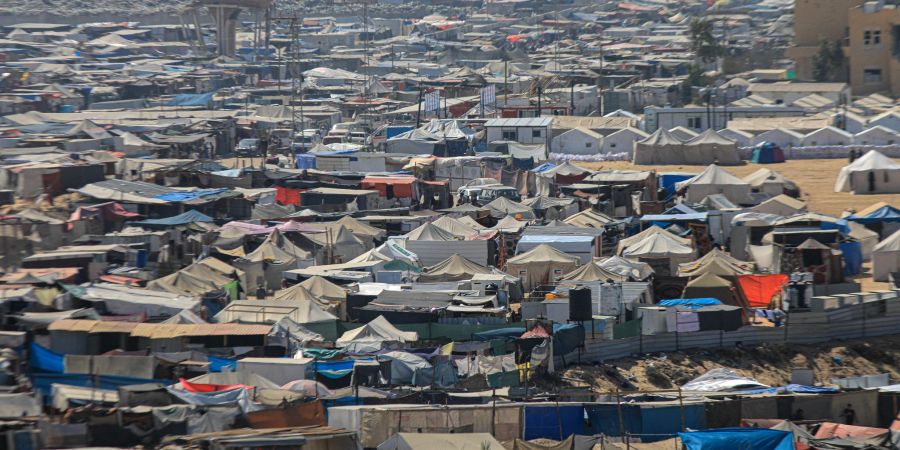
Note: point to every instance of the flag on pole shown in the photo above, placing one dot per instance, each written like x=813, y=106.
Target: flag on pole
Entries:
x=432, y=101
x=489, y=95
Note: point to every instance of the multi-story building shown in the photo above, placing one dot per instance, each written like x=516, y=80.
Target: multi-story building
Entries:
x=813, y=21
x=874, y=48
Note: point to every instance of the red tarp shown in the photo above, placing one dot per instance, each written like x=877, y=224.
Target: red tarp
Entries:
x=109, y=211
x=759, y=289
x=839, y=430
x=287, y=196
x=203, y=387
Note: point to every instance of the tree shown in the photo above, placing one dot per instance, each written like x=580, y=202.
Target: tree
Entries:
x=695, y=77
x=828, y=62
x=703, y=42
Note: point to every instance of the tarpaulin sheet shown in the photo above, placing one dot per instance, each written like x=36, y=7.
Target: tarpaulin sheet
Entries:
x=504, y=379
x=661, y=422
x=187, y=196
x=853, y=257
x=184, y=218
x=42, y=381
x=731, y=438
x=208, y=387
x=333, y=369
x=222, y=364
x=567, y=337
x=191, y=99
x=545, y=421
x=302, y=415
x=881, y=215
x=795, y=388
x=759, y=289
x=690, y=302
x=46, y=360
x=604, y=419
x=241, y=397
x=321, y=353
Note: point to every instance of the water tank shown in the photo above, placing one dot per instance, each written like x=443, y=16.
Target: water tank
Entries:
x=580, y=304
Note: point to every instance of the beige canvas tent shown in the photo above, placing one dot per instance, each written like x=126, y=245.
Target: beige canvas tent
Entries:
x=716, y=262
x=265, y=265
x=709, y=285
x=271, y=311
x=710, y=147
x=593, y=272
x=541, y=264
x=455, y=227
x=634, y=270
x=661, y=251
x=454, y=268
x=661, y=147
x=299, y=294
x=874, y=173
x=886, y=257
x=321, y=288
x=653, y=229
x=372, y=335
x=715, y=180
x=770, y=182
x=501, y=207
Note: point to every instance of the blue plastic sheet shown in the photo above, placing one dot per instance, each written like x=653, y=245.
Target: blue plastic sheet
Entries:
x=46, y=360
x=334, y=369
x=852, y=252
x=690, y=302
x=187, y=196
x=218, y=364
x=793, y=388
x=184, y=218
x=884, y=214
x=736, y=438
x=544, y=422
x=191, y=99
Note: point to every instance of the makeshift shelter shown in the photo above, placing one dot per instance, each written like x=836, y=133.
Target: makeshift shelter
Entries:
x=371, y=336
x=542, y=264
x=454, y=268
x=323, y=289
x=299, y=293
x=338, y=243
x=874, y=173
x=634, y=270
x=271, y=311
x=593, y=272
x=277, y=370
x=661, y=251
x=759, y=290
x=501, y=207
x=265, y=264
x=432, y=244
x=444, y=441
x=731, y=438
x=709, y=285
x=661, y=147
x=771, y=182
x=455, y=227
x=886, y=257
x=185, y=218
x=710, y=147
x=780, y=205
x=715, y=180
x=716, y=262
x=653, y=229
x=184, y=283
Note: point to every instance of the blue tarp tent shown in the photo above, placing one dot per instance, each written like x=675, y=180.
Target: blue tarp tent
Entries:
x=794, y=388
x=884, y=214
x=185, y=218
x=667, y=181
x=767, y=153
x=46, y=360
x=191, y=99
x=544, y=421
x=736, y=438
x=183, y=196
x=218, y=364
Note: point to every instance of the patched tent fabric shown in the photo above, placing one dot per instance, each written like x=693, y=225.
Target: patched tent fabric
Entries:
x=760, y=289
x=454, y=268
x=636, y=271
x=541, y=264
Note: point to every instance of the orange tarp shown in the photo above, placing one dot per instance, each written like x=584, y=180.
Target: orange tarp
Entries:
x=759, y=289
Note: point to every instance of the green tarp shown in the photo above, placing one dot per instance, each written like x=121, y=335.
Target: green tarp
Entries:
x=627, y=329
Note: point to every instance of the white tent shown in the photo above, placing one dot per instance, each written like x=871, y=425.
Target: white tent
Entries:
x=661, y=246
x=542, y=264
x=874, y=173
x=886, y=257
x=653, y=229
x=715, y=180
x=372, y=335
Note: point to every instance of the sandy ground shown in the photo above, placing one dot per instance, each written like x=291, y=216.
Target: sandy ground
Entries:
x=769, y=364
x=815, y=177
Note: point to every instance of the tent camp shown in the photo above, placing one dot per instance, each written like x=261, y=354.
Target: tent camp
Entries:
x=455, y=227
x=710, y=147
x=634, y=270
x=661, y=147
x=299, y=294
x=372, y=335
x=432, y=245
x=265, y=264
x=501, y=207
x=339, y=244
x=886, y=257
x=715, y=180
x=271, y=311
x=454, y=268
x=874, y=173
x=542, y=264
x=716, y=262
x=771, y=182
x=444, y=441
x=324, y=289
x=650, y=231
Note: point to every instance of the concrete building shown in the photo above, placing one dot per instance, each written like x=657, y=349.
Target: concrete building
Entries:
x=534, y=130
x=874, y=48
x=786, y=93
x=814, y=20
x=699, y=118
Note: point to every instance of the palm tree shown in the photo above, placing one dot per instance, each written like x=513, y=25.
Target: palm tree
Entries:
x=703, y=41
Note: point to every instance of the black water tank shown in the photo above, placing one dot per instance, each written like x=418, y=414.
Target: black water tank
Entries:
x=580, y=304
